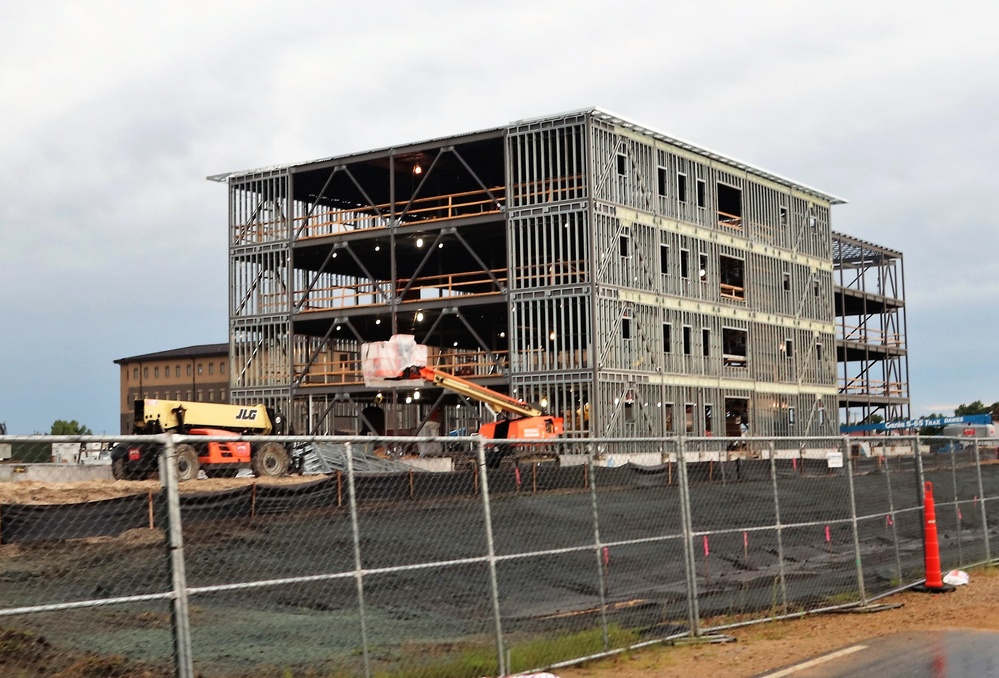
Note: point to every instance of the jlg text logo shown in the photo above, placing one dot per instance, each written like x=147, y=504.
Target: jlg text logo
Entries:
x=247, y=414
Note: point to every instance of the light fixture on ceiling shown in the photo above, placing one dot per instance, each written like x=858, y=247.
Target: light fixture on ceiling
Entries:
x=440, y=245
x=417, y=169
x=419, y=316
x=419, y=242
x=378, y=321
x=551, y=335
x=378, y=248
x=416, y=394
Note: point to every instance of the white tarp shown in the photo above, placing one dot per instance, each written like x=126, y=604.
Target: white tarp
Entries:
x=382, y=361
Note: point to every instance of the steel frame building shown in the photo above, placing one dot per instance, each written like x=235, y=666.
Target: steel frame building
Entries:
x=633, y=283
x=871, y=346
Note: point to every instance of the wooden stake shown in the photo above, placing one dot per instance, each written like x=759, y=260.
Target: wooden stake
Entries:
x=410, y=483
x=669, y=472
x=339, y=490
x=151, y=510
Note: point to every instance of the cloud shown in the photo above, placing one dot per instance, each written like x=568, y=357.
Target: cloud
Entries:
x=114, y=243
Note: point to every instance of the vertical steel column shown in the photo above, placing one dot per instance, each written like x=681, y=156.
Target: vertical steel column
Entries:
x=981, y=499
x=861, y=589
x=180, y=612
x=358, y=573
x=690, y=563
x=780, y=538
x=598, y=546
x=491, y=547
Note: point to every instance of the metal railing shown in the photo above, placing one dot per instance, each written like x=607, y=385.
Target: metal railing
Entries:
x=506, y=563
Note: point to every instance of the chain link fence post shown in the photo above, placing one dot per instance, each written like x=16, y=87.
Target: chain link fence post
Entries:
x=861, y=589
x=491, y=549
x=981, y=503
x=690, y=563
x=180, y=611
x=780, y=540
x=358, y=572
x=598, y=545
x=892, y=516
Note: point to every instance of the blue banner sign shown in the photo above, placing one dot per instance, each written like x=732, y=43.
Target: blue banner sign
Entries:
x=903, y=424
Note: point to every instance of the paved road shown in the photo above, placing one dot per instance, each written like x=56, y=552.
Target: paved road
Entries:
x=913, y=654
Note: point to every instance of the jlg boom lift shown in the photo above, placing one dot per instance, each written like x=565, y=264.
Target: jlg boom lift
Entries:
x=518, y=420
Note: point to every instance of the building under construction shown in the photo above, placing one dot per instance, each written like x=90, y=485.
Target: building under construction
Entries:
x=632, y=283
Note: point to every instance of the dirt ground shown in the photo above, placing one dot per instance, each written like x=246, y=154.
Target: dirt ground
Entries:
x=765, y=647
x=757, y=649
x=36, y=492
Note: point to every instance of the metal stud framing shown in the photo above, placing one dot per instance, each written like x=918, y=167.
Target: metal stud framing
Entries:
x=633, y=283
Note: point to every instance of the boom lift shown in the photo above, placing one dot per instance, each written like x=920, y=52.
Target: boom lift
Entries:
x=218, y=459
x=518, y=420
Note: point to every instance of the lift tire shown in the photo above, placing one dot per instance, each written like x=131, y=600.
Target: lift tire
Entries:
x=270, y=460
x=118, y=469
x=187, y=463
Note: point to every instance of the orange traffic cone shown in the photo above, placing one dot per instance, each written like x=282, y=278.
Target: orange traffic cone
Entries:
x=931, y=546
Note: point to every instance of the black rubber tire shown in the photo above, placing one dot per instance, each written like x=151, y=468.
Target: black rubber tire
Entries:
x=187, y=463
x=118, y=469
x=270, y=461
x=221, y=472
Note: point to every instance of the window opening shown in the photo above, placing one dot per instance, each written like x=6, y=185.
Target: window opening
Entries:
x=786, y=284
x=624, y=245
x=733, y=283
x=734, y=351
x=663, y=177
x=729, y=206
x=701, y=201
x=702, y=270
x=706, y=342
x=622, y=163
x=681, y=187
x=686, y=339
x=736, y=417
x=818, y=351
x=668, y=416
x=664, y=259
x=788, y=348
x=684, y=264
x=626, y=328
x=667, y=338
x=689, y=417
x=708, y=411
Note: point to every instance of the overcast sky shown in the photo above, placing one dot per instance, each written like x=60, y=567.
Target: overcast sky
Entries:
x=113, y=113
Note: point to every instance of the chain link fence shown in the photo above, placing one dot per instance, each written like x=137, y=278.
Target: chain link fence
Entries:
x=466, y=562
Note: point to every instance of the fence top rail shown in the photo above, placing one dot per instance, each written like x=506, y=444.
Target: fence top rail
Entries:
x=668, y=440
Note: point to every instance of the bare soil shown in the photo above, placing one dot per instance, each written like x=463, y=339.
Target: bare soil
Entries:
x=766, y=647
x=37, y=492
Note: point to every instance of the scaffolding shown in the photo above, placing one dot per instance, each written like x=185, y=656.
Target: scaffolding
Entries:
x=630, y=282
x=870, y=332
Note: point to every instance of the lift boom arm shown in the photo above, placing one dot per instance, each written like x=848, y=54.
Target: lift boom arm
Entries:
x=497, y=400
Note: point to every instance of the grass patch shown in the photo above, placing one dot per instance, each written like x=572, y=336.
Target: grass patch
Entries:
x=537, y=652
